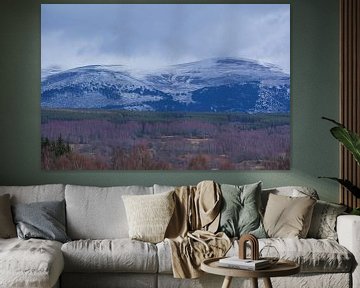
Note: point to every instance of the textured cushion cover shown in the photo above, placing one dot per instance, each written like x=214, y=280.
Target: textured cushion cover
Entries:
x=98, y=213
x=117, y=255
x=323, y=223
x=32, y=263
x=164, y=257
x=44, y=220
x=240, y=213
x=287, y=216
x=7, y=226
x=149, y=215
x=313, y=255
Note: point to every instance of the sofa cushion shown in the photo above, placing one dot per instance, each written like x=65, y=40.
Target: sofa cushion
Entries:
x=240, y=210
x=313, y=255
x=43, y=220
x=287, y=216
x=164, y=257
x=149, y=215
x=323, y=222
x=30, y=263
x=37, y=193
x=98, y=213
x=116, y=255
x=7, y=226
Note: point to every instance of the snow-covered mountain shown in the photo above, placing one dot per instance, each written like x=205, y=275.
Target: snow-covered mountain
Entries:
x=217, y=84
x=49, y=71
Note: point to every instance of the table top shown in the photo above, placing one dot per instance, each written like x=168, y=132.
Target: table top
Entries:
x=281, y=268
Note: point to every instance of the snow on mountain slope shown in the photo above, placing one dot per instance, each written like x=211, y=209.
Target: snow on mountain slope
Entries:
x=217, y=84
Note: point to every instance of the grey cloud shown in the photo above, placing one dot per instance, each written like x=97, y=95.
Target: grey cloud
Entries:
x=168, y=33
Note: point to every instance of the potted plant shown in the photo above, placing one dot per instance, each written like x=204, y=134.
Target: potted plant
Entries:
x=351, y=141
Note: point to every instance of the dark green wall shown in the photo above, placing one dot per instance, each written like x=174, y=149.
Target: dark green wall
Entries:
x=314, y=93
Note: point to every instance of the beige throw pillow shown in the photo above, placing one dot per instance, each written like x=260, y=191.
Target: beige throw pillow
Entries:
x=7, y=226
x=149, y=215
x=288, y=217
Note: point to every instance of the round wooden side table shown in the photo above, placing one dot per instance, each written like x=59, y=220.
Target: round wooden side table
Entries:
x=281, y=268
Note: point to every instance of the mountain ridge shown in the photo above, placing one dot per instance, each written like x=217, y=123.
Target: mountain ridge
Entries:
x=216, y=84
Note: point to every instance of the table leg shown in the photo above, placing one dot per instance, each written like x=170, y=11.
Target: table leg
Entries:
x=267, y=283
x=254, y=282
x=227, y=282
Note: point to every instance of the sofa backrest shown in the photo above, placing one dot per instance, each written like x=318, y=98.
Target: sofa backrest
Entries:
x=36, y=193
x=162, y=188
x=98, y=212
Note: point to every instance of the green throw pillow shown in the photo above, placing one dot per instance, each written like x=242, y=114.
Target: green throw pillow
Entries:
x=240, y=213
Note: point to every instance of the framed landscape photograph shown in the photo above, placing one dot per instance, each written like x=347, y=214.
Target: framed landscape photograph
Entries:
x=165, y=87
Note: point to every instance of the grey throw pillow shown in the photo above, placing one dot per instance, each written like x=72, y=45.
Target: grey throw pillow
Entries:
x=7, y=226
x=240, y=213
x=44, y=220
x=323, y=222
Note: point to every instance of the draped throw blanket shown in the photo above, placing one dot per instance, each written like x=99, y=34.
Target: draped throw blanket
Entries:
x=191, y=231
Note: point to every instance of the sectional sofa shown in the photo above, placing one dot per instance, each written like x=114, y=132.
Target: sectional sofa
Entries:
x=100, y=253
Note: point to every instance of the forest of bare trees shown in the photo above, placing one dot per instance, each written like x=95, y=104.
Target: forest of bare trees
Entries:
x=95, y=140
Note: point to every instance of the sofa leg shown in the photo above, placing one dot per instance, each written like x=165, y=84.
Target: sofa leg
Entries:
x=227, y=282
x=267, y=283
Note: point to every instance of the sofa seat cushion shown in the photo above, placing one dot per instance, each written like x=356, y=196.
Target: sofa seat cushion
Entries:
x=110, y=255
x=313, y=255
x=30, y=263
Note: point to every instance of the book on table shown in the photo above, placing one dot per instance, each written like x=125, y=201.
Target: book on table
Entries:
x=249, y=264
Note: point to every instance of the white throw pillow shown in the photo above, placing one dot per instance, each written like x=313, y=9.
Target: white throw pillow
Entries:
x=149, y=215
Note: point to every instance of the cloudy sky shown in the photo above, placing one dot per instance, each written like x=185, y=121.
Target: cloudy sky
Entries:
x=149, y=35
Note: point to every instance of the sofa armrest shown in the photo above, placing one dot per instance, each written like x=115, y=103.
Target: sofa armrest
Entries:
x=348, y=230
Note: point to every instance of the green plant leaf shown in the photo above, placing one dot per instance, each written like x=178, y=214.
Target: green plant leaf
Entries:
x=333, y=121
x=347, y=184
x=355, y=211
x=348, y=138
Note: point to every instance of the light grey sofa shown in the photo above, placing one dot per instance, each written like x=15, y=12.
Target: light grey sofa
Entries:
x=101, y=254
